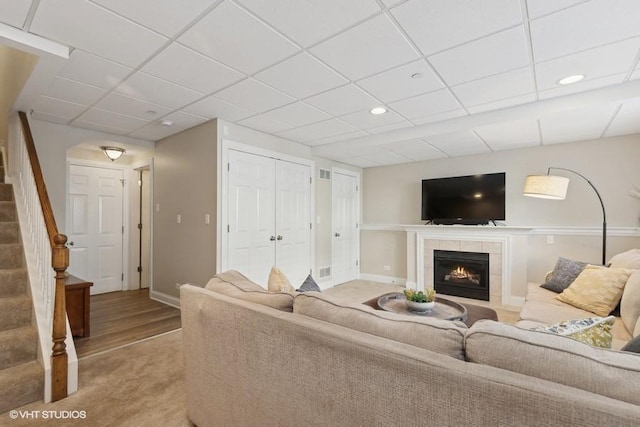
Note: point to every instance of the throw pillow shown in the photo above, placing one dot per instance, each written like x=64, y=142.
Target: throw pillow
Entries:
x=563, y=274
x=628, y=259
x=630, y=302
x=633, y=345
x=595, y=331
x=309, y=285
x=278, y=282
x=597, y=289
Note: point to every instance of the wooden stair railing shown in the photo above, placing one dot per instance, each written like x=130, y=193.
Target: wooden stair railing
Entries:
x=59, y=263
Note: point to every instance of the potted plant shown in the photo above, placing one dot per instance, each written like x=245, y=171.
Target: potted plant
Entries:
x=420, y=301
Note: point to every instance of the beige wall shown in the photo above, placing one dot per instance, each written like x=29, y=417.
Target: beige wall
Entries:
x=392, y=196
x=15, y=68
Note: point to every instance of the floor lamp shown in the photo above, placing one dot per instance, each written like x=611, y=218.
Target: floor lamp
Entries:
x=555, y=187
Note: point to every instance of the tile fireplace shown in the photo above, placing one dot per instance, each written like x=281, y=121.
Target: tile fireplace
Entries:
x=463, y=274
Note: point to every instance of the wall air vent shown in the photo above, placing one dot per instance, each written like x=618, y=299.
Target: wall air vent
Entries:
x=325, y=272
x=325, y=174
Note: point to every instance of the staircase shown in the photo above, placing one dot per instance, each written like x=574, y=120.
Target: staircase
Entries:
x=21, y=375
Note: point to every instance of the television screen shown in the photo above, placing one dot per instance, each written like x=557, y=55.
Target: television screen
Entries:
x=473, y=199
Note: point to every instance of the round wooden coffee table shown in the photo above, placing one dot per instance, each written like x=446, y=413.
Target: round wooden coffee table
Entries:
x=445, y=309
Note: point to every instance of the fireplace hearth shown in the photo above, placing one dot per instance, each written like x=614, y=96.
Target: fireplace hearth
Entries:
x=463, y=274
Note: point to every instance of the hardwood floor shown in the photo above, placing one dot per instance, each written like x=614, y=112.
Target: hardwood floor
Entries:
x=119, y=318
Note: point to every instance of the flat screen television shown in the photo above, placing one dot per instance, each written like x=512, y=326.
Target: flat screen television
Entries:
x=469, y=200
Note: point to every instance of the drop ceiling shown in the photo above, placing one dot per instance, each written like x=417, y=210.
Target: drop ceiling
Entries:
x=458, y=77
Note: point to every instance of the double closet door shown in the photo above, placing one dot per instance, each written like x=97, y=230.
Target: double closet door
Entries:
x=269, y=217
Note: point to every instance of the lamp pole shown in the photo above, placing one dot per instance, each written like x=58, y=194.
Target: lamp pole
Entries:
x=604, y=214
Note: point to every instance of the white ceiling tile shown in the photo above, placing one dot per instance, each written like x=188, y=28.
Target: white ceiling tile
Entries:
x=416, y=150
x=373, y=46
x=298, y=135
x=264, y=124
x=14, y=12
x=426, y=104
x=635, y=75
x=390, y=3
x=93, y=70
x=458, y=144
x=504, y=135
x=72, y=91
x=122, y=104
x=114, y=120
x=301, y=76
x=329, y=128
x=349, y=135
x=576, y=125
x=359, y=162
x=366, y=120
x=494, y=88
x=430, y=23
x=154, y=132
x=298, y=114
x=503, y=103
x=56, y=107
x=177, y=63
x=99, y=127
x=537, y=8
x=157, y=91
x=382, y=156
x=254, y=96
x=398, y=83
x=183, y=120
x=581, y=86
x=626, y=121
x=393, y=126
x=49, y=118
x=232, y=36
x=308, y=22
x=581, y=27
x=91, y=28
x=210, y=108
x=504, y=51
x=164, y=16
x=343, y=100
x=439, y=117
x=599, y=62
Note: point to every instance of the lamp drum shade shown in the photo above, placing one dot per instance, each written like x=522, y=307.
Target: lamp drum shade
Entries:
x=546, y=186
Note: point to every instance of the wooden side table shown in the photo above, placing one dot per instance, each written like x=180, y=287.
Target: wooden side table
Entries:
x=77, y=292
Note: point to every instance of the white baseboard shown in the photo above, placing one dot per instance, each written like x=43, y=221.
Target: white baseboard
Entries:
x=164, y=298
x=325, y=283
x=383, y=279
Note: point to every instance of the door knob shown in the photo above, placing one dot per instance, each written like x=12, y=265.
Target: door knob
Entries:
x=272, y=238
x=279, y=237
x=337, y=234
x=70, y=244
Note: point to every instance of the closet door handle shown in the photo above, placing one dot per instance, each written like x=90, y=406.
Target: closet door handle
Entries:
x=70, y=244
x=279, y=237
x=272, y=238
x=337, y=234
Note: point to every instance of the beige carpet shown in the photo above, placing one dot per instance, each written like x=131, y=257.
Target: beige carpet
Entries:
x=138, y=385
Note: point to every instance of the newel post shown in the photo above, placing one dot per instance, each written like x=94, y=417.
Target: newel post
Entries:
x=59, y=364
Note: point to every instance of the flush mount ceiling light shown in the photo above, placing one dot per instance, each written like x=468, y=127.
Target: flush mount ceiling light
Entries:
x=378, y=110
x=113, y=153
x=571, y=79
x=166, y=122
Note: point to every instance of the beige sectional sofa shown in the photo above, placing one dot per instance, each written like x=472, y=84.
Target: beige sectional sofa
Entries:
x=270, y=359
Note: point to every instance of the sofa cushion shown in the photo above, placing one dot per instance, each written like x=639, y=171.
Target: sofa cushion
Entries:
x=234, y=284
x=595, y=331
x=563, y=274
x=597, y=289
x=628, y=259
x=630, y=303
x=278, y=282
x=437, y=335
x=555, y=358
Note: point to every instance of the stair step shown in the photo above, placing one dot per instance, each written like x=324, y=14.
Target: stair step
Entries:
x=20, y=385
x=6, y=191
x=9, y=232
x=11, y=255
x=14, y=282
x=18, y=346
x=8, y=211
x=15, y=312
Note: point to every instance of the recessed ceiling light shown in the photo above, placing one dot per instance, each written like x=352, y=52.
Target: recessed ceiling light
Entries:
x=478, y=195
x=152, y=113
x=378, y=110
x=416, y=76
x=571, y=79
x=166, y=122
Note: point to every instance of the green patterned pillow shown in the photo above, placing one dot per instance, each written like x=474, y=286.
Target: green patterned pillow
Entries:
x=595, y=331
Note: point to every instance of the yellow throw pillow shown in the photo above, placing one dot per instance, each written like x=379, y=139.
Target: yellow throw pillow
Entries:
x=595, y=331
x=278, y=282
x=597, y=289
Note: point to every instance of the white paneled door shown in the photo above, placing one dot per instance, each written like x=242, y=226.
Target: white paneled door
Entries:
x=269, y=217
x=95, y=226
x=344, y=189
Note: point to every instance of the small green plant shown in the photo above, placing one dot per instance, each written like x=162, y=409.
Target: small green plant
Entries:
x=419, y=296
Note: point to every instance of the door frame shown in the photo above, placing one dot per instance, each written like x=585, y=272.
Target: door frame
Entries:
x=133, y=265
x=125, y=206
x=357, y=176
x=223, y=220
